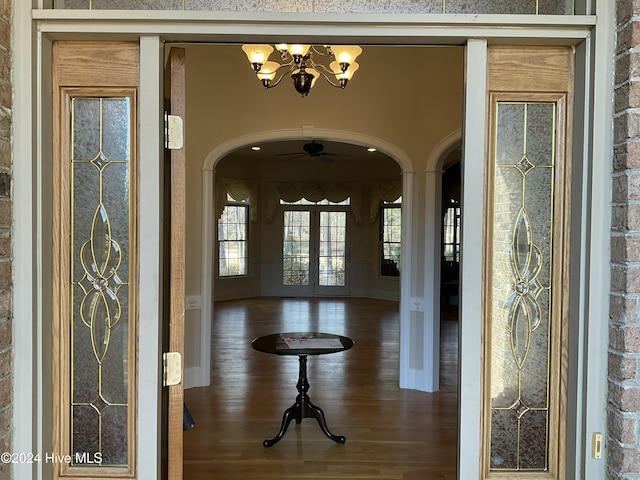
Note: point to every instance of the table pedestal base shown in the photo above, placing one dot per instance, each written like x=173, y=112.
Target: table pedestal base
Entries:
x=303, y=408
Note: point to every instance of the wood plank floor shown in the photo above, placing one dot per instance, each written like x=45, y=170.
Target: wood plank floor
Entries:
x=392, y=433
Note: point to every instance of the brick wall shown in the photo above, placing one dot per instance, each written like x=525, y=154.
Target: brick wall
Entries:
x=6, y=348
x=623, y=412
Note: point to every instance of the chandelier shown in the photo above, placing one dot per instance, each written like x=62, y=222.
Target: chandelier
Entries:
x=302, y=64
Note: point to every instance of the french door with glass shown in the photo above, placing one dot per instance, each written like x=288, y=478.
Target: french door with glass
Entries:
x=314, y=251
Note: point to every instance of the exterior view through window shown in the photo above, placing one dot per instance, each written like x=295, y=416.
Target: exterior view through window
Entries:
x=314, y=247
x=232, y=239
x=390, y=227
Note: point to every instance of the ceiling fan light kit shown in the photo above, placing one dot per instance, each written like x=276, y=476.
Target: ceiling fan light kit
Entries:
x=302, y=64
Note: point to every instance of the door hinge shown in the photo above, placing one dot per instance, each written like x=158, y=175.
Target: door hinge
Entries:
x=173, y=132
x=171, y=368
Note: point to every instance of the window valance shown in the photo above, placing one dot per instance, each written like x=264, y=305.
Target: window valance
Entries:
x=388, y=191
x=238, y=189
x=314, y=192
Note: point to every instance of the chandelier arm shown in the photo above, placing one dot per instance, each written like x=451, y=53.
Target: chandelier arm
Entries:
x=326, y=53
x=275, y=84
x=326, y=77
x=289, y=68
x=323, y=69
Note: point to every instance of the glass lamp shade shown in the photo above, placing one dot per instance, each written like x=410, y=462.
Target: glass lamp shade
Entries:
x=298, y=49
x=257, y=54
x=346, y=53
x=268, y=71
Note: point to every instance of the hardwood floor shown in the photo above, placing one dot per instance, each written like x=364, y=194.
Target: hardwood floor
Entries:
x=392, y=433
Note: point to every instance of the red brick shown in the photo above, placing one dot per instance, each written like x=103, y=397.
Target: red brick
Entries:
x=624, y=278
x=625, y=10
x=626, y=126
x=628, y=37
x=5, y=122
x=5, y=153
x=626, y=186
x=626, y=459
x=5, y=66
x=5, y=470
x=6, y=362
x=627, y=68
x=624, y=398
x=6, y=393
x=623, y=308
x=6, y=333
x=624, y=248
x=5, y=273
x=5, y=213
x=621, y=367
x=5, y=8
x=6, y=418
x=621, y=97
x=5, y=34
x=621, y=427
x=625, y=217
x=626, y=155
x=6, y=93
x=625, y=339
x=5, y=445
x=5, y=303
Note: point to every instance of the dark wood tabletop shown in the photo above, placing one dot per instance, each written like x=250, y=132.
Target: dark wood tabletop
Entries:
x=276, y=344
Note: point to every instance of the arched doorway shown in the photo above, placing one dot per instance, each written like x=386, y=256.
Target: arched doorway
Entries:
x=284, y=141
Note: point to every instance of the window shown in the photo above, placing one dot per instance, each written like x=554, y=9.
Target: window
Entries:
x=295, y=251
x=390, y=227
x=451, y=233
x=232, y=239
x=314, y=247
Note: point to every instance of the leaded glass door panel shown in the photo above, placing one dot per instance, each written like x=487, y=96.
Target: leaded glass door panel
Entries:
x=95, y=281
x=526, y=267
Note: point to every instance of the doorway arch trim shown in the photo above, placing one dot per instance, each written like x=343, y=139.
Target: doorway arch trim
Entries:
x=201, y=376
x=307, y=131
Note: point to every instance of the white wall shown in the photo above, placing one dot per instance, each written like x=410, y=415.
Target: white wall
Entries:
x=413, y=111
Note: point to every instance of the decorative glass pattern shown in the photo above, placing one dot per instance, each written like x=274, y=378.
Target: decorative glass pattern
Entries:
x=522, y=7
x=521, y=286
x=100, y=333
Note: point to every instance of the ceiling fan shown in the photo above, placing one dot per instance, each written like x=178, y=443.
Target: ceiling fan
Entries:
x=314, y=149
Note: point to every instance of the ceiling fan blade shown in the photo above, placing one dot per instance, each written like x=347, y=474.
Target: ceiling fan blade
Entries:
x=340, y=155
x=325, y=158
x=291, y=153
x=298, y=155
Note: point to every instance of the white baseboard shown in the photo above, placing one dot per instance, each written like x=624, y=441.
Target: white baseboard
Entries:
x=193, y=378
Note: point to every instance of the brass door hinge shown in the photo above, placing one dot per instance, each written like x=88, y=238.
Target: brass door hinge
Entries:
x=173, y=132
x=171, y=368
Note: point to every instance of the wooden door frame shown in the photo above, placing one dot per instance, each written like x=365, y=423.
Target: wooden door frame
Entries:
x=175, y=284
